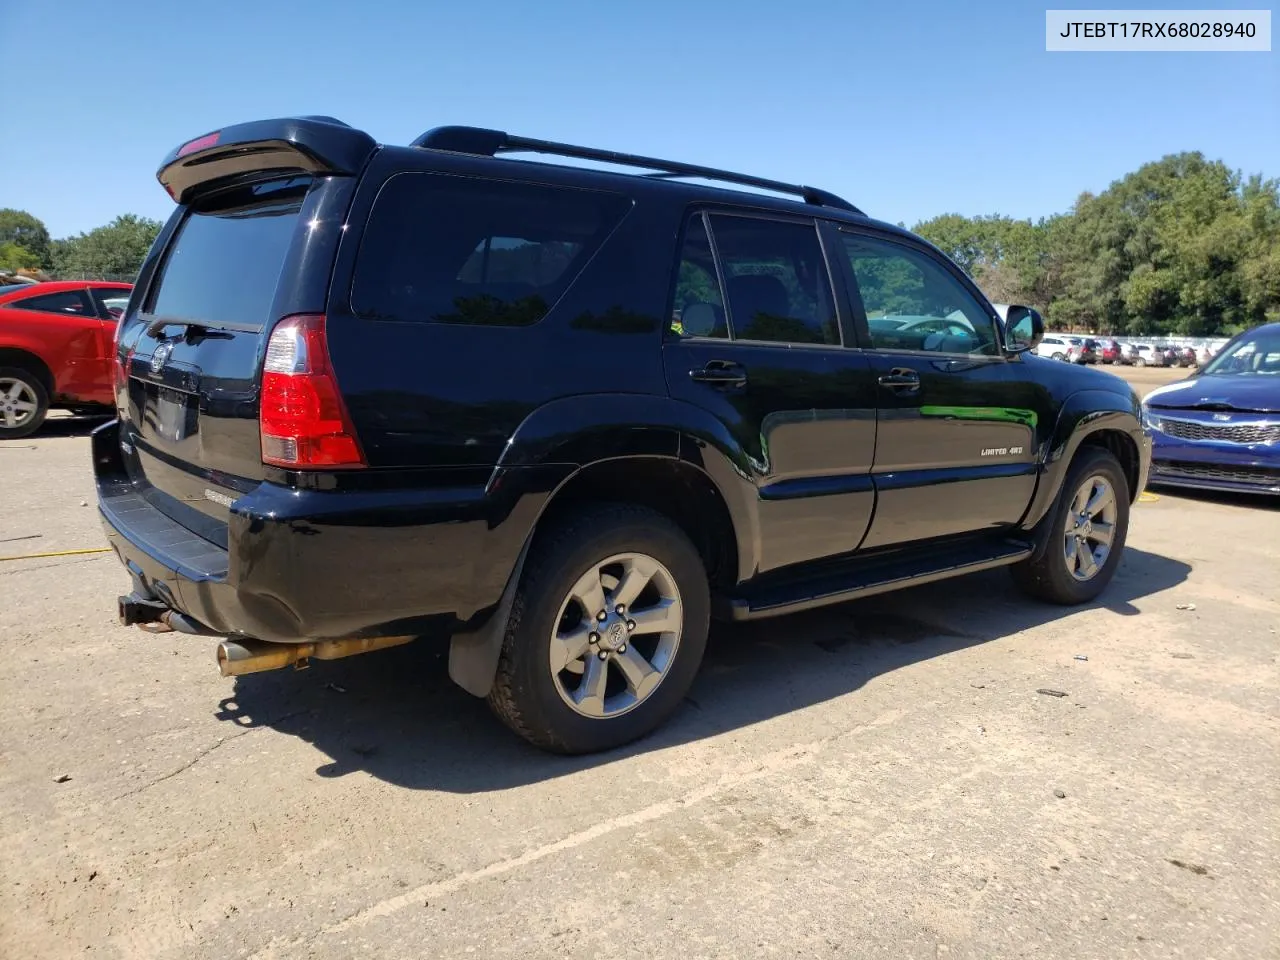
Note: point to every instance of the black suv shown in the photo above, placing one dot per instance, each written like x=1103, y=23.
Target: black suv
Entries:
x=566, y=416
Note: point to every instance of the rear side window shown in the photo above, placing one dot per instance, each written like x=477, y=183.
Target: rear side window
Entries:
x=224, y=263
x=448, y=249
x=776, y=280
x=67, y=303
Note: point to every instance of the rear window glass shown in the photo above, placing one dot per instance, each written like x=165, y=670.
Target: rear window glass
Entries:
x=223, y=264
x=72, y=302
x=450, y=249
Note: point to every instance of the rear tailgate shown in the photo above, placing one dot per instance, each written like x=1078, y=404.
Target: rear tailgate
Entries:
x=247, y=247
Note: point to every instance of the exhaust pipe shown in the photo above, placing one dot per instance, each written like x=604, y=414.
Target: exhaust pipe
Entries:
x=238, y=657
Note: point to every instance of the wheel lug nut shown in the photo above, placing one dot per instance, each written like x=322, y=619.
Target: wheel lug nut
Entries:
x=621, y=609
x=602, y=616
x=623, y=648
x=631, y=624
x=604, y=654
x=594, y=637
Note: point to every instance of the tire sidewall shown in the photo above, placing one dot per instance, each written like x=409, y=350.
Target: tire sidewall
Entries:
x=543, y=594
x=42, y=403
x=1088, y=463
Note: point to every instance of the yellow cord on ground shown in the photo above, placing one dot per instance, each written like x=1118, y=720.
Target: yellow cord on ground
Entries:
x=1145, y=497
x=56, y=553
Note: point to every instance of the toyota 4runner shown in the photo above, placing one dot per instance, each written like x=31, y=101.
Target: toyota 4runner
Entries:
x=566, y=416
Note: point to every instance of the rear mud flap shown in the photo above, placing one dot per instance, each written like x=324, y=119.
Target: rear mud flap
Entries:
x=473, y=657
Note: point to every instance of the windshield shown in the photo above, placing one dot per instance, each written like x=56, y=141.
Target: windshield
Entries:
x=1253, y=353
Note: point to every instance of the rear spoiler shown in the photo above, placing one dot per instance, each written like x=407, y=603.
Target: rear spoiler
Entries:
x=294, y=144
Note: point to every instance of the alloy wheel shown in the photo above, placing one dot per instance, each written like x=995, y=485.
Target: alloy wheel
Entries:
x=1090, y=528
x=18, y=403
x=616, y=635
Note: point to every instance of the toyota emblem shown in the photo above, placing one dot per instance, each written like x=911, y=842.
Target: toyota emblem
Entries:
x=160, y=357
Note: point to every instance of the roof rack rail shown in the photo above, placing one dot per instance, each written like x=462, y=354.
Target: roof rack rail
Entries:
x=490, y=143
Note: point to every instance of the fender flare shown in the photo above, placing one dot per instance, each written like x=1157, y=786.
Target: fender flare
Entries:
x=585, y=430
x=1084, y=413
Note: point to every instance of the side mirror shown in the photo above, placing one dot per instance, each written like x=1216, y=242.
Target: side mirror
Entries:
x=1023, y=329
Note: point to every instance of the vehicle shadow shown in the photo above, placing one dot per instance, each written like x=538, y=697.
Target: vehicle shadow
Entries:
x=70, y=425
x=396, y=715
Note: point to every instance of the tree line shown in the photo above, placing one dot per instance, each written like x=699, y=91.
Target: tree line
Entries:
x=1181, y=246
x=114, y=251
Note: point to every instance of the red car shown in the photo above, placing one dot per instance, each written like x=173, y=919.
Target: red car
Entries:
x=55, y=349
x=1109, y=351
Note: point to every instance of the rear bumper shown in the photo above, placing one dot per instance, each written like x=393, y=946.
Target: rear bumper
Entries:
x=315, y=565
x=1208, y=465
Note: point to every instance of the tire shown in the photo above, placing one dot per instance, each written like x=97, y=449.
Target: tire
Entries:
x=1140, y=362
x=1059, y=356
x=1050, y=577
x=24, y=403
x=535, y=700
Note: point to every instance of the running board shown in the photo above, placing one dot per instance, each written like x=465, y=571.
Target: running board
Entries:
x=853, y=581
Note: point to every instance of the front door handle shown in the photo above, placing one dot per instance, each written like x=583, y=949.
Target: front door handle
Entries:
x=901, y=380
x=720, y=373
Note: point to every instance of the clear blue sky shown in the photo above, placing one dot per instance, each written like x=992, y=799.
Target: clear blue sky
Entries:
x=909, y=108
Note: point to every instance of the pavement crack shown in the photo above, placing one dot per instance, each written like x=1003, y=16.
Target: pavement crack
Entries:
x=202, y=754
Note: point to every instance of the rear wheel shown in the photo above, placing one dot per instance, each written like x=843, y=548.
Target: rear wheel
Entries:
x=1087, y=533
x=1059, y=356
x=606, y=633
x=24, y=403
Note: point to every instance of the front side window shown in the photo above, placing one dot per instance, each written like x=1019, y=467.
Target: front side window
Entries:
x=776, y=280
x=67, y=303
x=913, y=303
x=448, y=249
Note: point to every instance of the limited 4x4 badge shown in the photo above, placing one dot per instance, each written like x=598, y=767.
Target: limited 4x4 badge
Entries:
x=1001, y=451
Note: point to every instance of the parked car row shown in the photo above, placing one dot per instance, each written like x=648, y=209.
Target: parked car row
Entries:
x=1079, y=349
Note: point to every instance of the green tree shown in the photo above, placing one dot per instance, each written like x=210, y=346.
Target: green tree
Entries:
x=14, y=257
x=114, y=250
x=21, y=228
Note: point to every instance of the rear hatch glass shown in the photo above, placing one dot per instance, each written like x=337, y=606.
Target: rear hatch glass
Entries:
x=191, y=418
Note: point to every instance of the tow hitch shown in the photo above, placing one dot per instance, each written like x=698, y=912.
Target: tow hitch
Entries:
x=155, y=617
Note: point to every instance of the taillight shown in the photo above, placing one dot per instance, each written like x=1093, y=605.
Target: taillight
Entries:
x=303, y=420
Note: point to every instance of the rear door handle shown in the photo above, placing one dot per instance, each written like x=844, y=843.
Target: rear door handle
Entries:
x=901, y=380
x=720, y=373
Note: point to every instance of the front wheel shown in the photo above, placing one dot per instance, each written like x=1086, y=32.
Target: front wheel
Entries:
x=1059, y=356
x=1087, y=533
x=607, y=631
x=23, y=403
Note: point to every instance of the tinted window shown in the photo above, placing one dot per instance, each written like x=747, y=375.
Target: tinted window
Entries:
x=225, y=260
x=459, y=250
x=698, y=306
x=776, y=280
x=913, y=303
x=69, y=302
